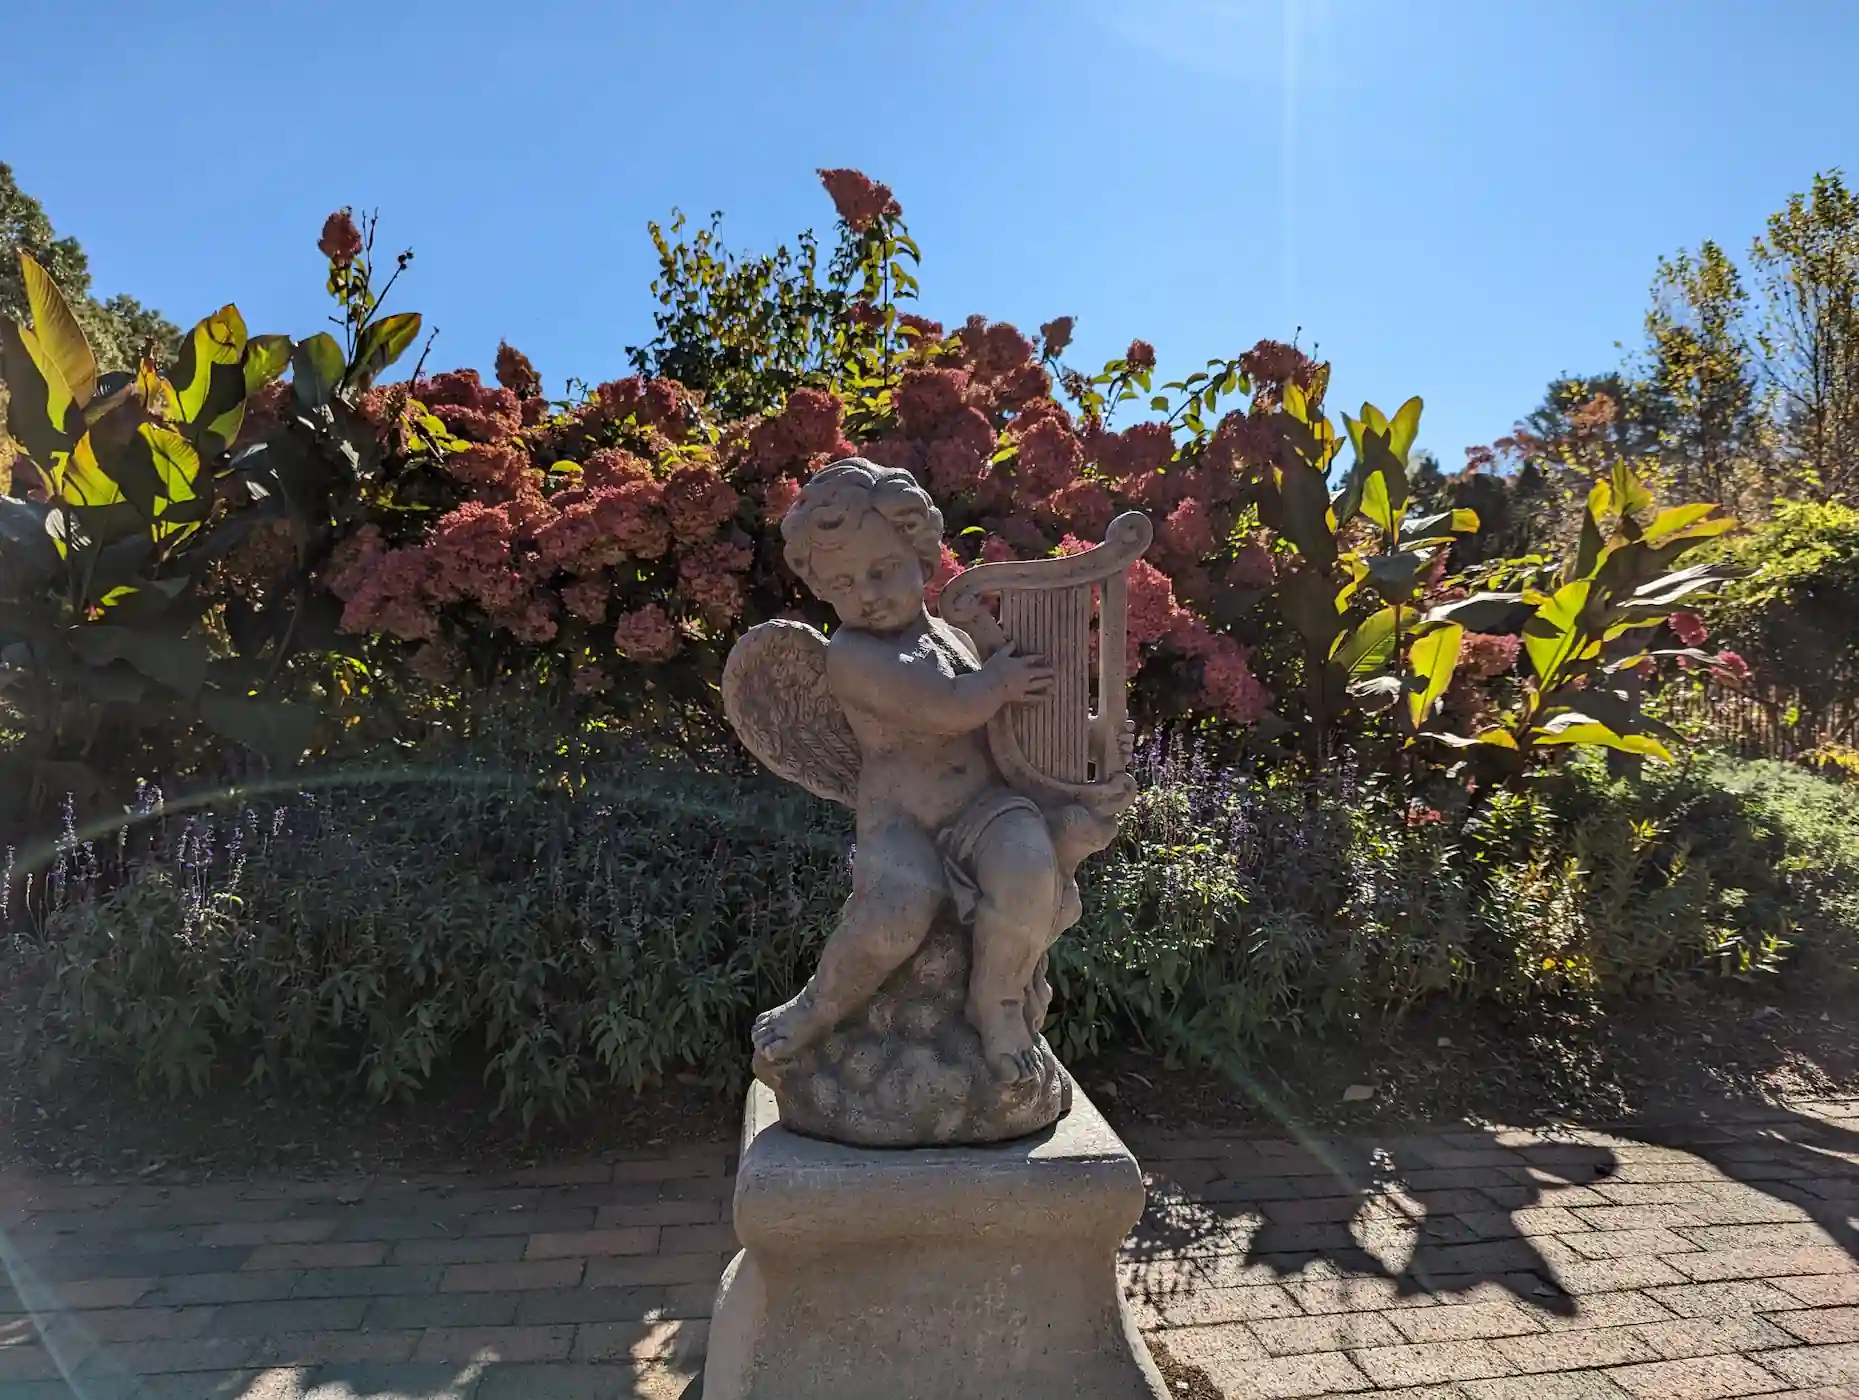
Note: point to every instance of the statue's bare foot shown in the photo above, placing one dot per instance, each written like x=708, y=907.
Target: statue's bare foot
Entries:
x=787, y=1030
x=1006, y=1043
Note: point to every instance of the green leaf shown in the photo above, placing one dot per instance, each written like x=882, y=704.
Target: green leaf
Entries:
x=382, y=342
x=266, y=357
x=207, y=377
x=60, y=339
x=1159, y=403
x=1396, y=575
x=41, y=414
x=1675, y=518
x=1629, y=492
x=179, y=663
x=1482, y=612
x=316, y=368
x=1492, y=738
x=1573, y=728
x=1381, y=461
x=1367, y=649
x=1403, y=428
x=1548, y=636
x=270, y=727
x=1375, y=503
x=1433, y=657
x=1618, y=712
x=86, y=483
x=177, y=464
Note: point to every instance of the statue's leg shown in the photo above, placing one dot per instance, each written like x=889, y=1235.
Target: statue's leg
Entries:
x=1021, y=889
x=897, y=884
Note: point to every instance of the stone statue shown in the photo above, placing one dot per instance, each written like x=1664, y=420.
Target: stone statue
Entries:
x=983, y=764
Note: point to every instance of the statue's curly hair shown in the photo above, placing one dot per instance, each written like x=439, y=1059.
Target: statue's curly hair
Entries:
x=836, y=498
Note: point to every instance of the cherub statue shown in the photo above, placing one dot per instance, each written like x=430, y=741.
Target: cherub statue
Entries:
x=892, y=716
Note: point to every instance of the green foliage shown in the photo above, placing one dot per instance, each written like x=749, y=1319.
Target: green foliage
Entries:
x=133, y=472
x=121, y=329
x=1588, y=624
x=1795, y=616
x=568, y=914
x=1363, y=561
x=1703, y=369
x=559, y=929
x=744, y=331
x=1807, y=263
x=141, y=492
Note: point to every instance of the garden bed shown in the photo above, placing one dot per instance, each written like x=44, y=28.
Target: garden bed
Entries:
x=1650, y=1060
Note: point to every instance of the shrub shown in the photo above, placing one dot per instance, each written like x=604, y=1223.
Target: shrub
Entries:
x=571, y=915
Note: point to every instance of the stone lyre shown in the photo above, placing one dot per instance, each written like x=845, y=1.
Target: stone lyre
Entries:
x=1065, y=748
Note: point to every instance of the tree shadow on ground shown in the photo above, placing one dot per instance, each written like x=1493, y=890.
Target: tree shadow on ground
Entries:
x=1441, y=1214
x=1422, y=1214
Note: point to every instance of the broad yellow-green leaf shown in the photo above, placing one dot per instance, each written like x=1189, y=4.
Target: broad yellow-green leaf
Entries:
x=1675, y=518
x=40, y=412
x=1494, y=737
x=266, y=357
x=1591, y=732
x=84, y=481
x=1367, y=649
x=1630, y=493
x=1548, y=636
x=1465, y=521
x=60, y=338
x=208, y=381
x=381, y=343
x=1404, y=427
x=1433, y=657
x=1375, y=503
x=176, y=462
x=1295, y=404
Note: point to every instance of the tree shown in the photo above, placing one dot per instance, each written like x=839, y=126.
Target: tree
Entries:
x=1808, y=265
x=117, y=329
x=1701, y=368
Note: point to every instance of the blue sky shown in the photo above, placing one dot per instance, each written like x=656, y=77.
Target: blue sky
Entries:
x=1456, y=198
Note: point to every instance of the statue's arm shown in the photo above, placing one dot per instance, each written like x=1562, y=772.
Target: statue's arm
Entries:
x=875, y=678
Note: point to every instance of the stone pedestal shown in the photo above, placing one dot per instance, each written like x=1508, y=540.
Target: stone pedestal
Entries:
x=964, y=1273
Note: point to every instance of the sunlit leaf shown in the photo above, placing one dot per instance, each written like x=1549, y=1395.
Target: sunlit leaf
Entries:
x=1366, y=650
x=1548, y=636
x=381, y=343
x=59, y=336
x=317, y=366
x=1433, y=657
x=1403, y=428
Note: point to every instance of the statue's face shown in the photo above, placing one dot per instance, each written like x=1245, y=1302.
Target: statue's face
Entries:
x=874, y=580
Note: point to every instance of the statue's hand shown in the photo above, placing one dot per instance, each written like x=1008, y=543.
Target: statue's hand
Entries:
x=1020, y=678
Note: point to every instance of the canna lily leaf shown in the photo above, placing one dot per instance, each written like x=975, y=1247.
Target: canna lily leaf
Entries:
x=1433, y=656
x=381, y=343
x=59, y=337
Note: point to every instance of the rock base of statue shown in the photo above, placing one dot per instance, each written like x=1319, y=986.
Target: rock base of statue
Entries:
x=907, y=1070
x=969, y=1273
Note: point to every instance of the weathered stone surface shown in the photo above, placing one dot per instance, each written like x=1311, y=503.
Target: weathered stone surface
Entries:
x=985, y=760
x=974, y=1273
x=907, y=1068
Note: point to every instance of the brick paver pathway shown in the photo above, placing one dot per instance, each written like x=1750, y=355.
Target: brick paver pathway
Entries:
x=1716, y=1259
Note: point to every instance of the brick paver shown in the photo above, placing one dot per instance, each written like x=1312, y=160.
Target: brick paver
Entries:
x=1718, y=1258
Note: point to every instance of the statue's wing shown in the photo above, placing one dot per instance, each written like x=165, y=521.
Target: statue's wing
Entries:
x=776, y=696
